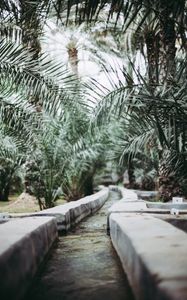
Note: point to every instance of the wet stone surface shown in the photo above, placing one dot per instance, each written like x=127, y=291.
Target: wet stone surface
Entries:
x=83, y=265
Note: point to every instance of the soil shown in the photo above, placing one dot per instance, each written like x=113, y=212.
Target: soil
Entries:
x=23, y=203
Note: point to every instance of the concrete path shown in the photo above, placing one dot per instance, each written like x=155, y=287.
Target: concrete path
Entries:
x=83, y=265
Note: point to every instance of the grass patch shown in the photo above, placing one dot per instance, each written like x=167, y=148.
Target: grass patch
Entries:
x=12, y=199
x=60, y=201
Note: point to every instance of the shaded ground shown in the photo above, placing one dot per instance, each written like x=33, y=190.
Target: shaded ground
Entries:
x=83, y=265
x=12, y=199
x=22, y=204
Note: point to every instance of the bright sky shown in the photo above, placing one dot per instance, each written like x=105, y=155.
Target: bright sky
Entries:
x=55, y=43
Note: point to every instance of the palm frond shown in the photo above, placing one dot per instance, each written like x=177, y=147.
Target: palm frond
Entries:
x=49, y=83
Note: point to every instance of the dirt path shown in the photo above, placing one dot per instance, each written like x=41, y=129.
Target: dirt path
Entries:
x=84, y=265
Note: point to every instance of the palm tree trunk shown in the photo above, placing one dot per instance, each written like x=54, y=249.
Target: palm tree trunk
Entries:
x=73, y=59
x=169, y=186
x=30, y=25
x=167, y=47
x=4, y=193
x=31, y=30
x=88, y=185
x=169, y=182
x=132, y=179
x=152, y=56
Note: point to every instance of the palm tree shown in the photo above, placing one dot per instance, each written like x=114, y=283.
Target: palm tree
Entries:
x=21, y=79
x=149, y=114
x=66, y=153
x=12, y=156
x=159, y=100
x=65, y=157
x=60, y=142
x=161, y=24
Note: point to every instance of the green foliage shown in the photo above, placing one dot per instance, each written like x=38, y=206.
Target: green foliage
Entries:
x=137, y=120
x=58, y=140
x=60, y=151
x=151, y=120
x=11, y=159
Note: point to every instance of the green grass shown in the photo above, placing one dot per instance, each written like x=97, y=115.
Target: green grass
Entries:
x=60, y=201
x=12, y=199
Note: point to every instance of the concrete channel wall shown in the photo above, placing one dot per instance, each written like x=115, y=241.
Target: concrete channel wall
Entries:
x=23, y=245
x=152, y=251
x=127, y=195
x=71, y=213
x=25, y=241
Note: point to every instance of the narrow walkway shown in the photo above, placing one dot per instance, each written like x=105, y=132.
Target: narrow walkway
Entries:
x=84, y=265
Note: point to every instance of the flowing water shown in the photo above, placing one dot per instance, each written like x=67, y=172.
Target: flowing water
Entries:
x=83, y=265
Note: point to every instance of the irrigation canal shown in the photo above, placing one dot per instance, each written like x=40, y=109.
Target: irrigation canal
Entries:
x=83, y=265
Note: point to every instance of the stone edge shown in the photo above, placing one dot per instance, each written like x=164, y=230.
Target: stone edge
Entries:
x=22, y=256
x=22, y=259
x=70, y=214
x=125, y=252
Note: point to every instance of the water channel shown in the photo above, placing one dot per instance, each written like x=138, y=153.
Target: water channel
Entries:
x=83, y=265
